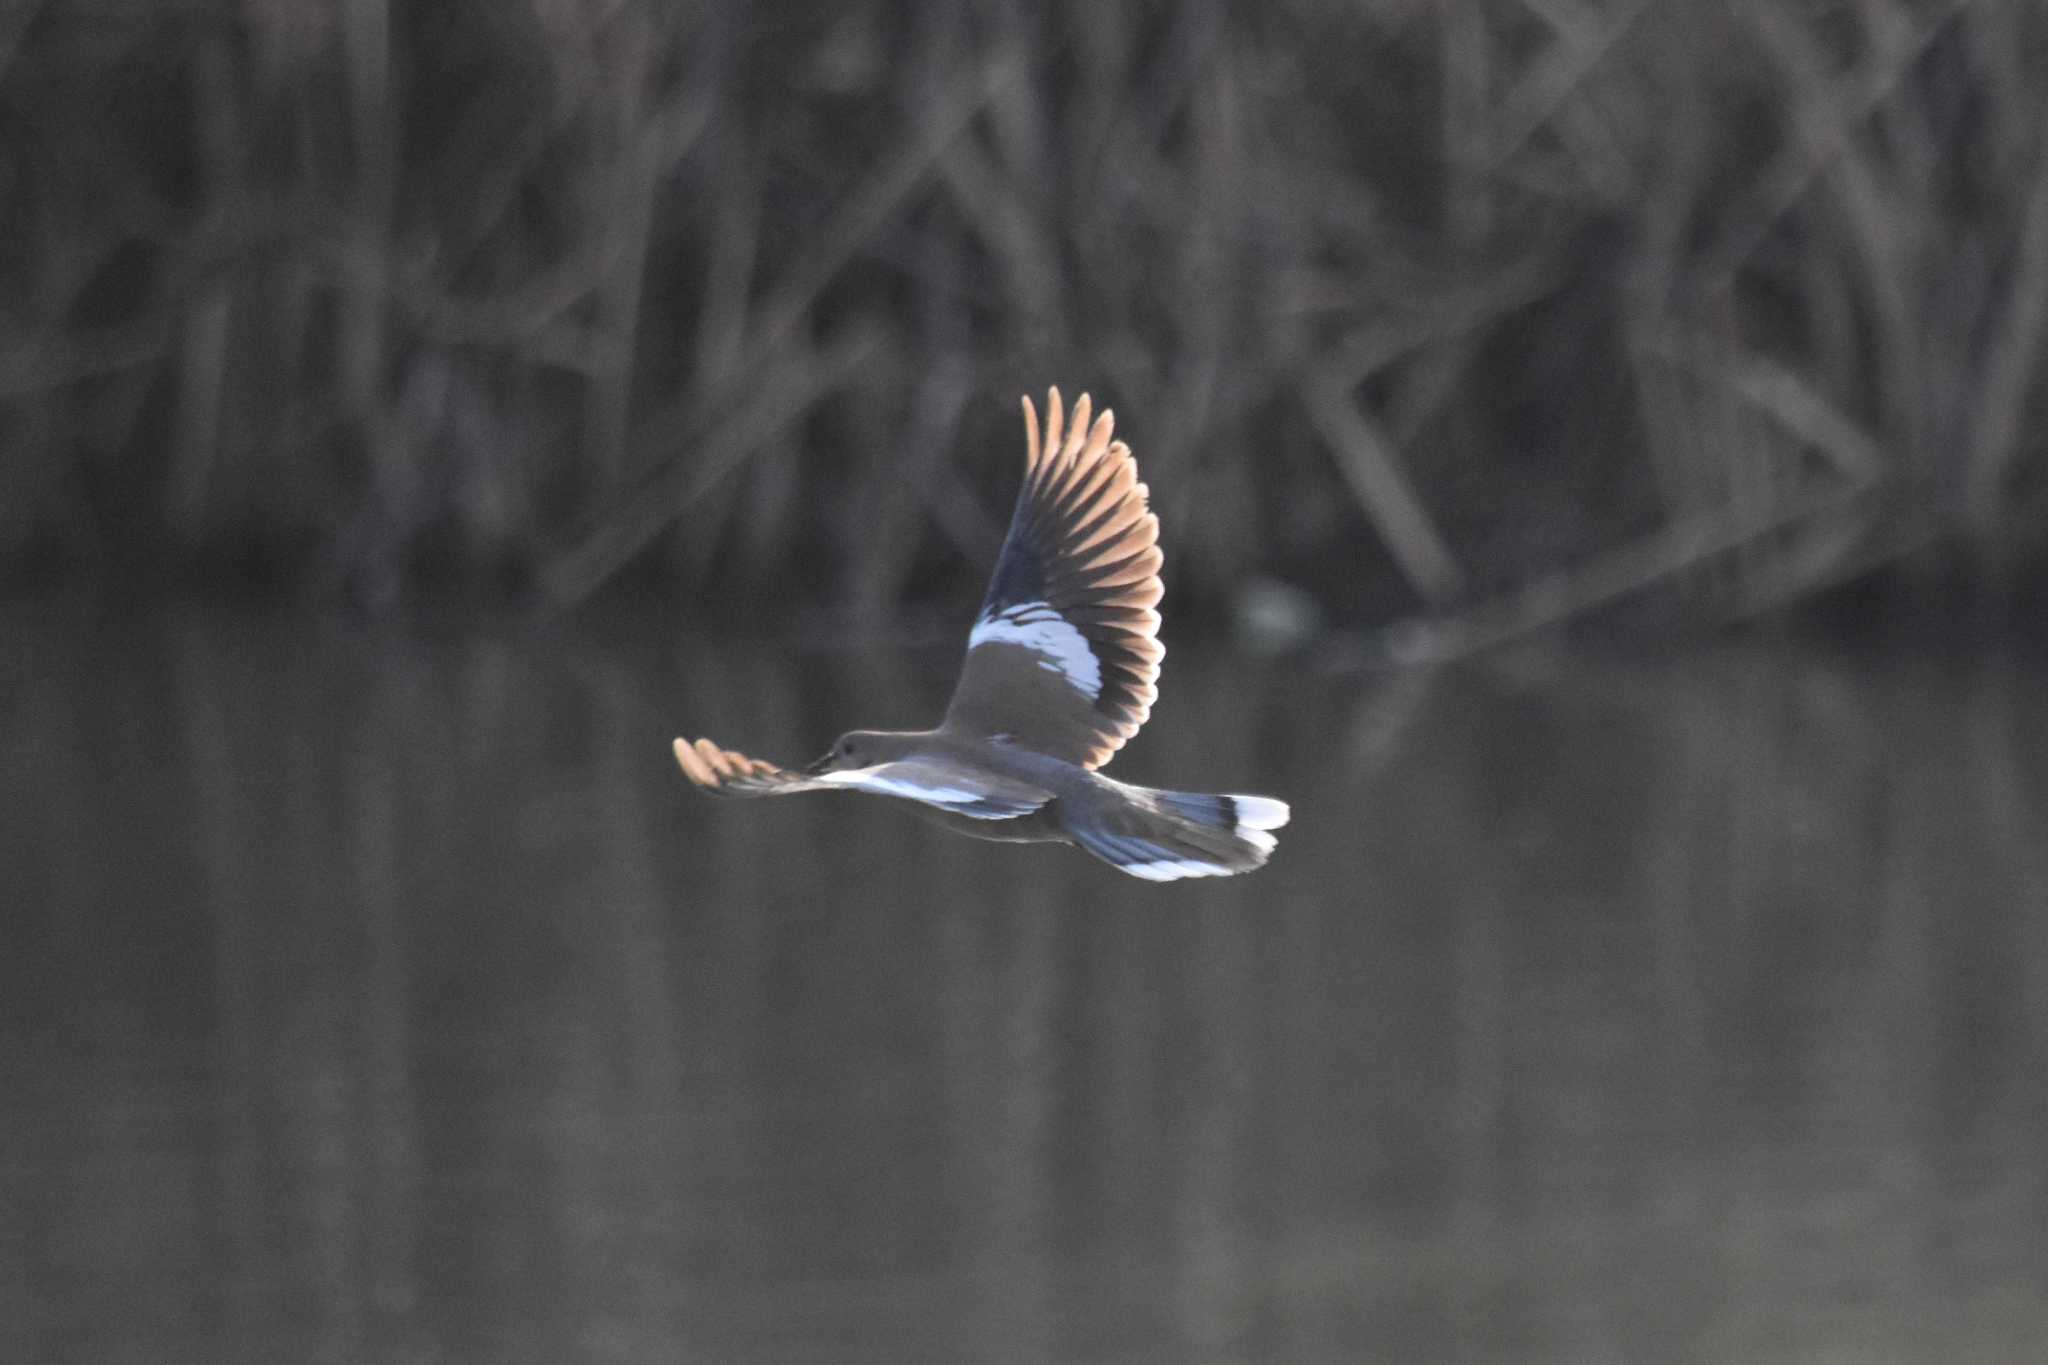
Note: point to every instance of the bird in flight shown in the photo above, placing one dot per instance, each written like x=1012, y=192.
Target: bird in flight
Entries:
x=1061, y=669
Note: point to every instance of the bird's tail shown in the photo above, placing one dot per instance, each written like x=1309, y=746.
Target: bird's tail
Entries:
x=1163, y=836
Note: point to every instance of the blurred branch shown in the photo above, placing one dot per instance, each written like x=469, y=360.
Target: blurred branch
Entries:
x=1826, y=128
x=1794, y=403
x=1554, y=598
x=1583, y=38
x=1368, y=462
x=1393, y=333
x=650, y=502
x=1692, y=540
x=841, y=237
x=14, y=22
x=202, y=383
x=2013, y=356
x=51, y=362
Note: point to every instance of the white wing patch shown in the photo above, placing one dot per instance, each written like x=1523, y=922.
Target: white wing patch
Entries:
x=907, y=780
x=1060, y=648
x=1173, y=869
x=875, y=780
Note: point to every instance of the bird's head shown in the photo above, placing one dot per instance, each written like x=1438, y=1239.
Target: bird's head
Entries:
x=858, y=749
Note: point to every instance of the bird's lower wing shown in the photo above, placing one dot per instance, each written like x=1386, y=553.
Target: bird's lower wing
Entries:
x=978, y=795
x=728, y=772
x=981, y=796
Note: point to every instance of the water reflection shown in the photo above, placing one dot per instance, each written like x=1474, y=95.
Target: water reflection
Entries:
x=389, y=996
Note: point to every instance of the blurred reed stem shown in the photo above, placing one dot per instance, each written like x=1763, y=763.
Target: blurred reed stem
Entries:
x=1430, y=310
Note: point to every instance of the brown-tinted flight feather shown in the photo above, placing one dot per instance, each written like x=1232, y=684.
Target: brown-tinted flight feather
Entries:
x=1064, y=657
x=728, y=772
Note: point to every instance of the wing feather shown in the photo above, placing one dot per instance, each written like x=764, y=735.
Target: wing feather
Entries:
x=1064, y=657
x=728, y=772
x=982, y=796
x=979, y=795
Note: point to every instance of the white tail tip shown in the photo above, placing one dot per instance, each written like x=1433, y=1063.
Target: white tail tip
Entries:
x=1259, y=812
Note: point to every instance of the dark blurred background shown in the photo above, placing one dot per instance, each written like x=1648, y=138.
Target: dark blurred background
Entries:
x=1597, y=445
x=1533, y=303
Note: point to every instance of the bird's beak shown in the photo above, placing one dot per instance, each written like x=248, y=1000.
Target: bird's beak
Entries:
x=819, y=767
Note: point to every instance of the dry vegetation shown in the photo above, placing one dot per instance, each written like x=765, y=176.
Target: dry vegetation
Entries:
x=1498, y=310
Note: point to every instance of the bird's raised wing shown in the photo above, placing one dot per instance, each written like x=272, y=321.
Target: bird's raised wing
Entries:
x=728, y=772
x=1063, y=658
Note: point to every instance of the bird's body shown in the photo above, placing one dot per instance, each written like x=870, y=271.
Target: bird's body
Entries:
x=1061, y=669
x=1089, y=799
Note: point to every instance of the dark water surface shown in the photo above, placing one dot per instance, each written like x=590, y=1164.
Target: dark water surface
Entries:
x=380, y=996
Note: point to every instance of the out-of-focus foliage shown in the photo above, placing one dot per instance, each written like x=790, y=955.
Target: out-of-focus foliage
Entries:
x=1501, y=308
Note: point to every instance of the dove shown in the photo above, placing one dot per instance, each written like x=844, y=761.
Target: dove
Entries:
x=1062, y=668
